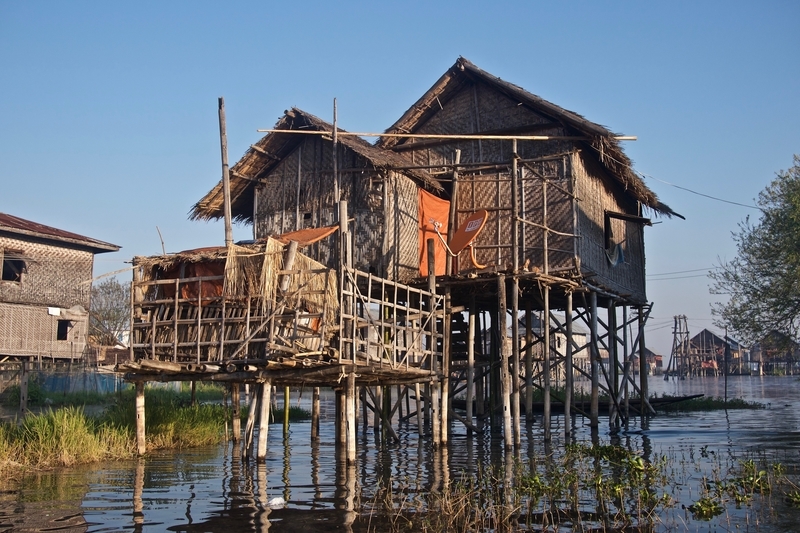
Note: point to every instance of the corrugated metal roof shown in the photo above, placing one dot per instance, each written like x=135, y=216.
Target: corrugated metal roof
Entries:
x=20, y=226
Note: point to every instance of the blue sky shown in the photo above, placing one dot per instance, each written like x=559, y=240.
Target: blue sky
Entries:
x=109, y=109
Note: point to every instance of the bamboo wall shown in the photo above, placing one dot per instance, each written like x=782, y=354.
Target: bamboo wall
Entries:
x=597, y=195
x=55, y=275
x=30, y=331
x=384, y=242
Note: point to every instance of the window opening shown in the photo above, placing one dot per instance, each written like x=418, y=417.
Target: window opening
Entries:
x=63, y=330
x=12, y=269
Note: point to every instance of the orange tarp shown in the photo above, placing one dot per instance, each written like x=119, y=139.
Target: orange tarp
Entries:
x=432, y=208
x=307, y=236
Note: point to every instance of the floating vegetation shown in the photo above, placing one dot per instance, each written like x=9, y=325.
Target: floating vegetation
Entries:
x=586, y=488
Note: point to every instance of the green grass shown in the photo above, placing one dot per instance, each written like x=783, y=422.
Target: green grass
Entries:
x=707, y=403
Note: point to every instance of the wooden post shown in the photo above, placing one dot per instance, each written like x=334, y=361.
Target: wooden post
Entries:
x=250, y=426
x=643, y=392
x=141, y=443
x=286, y=406
x=505, y=376
x=420, y=407
x=545, y=325
x=613, y=364
x=263, y=421
x=236, y=423
x=528, y=362
x=350, y=417
x=569, y=371
x=435, y=383
x=341, y=421
x=23, y=391
x=594, y=412
x=515, y=361
x=336, y=187
x=315, y=414
x=226, y=183
x=470, y=363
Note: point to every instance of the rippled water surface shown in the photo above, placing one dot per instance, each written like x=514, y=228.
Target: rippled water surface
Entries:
x=211, y=489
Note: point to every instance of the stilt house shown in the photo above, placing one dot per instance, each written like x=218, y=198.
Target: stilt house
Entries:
x=517, y=203
x=45, y=289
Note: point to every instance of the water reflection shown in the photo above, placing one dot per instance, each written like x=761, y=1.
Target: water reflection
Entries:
x=214, y=489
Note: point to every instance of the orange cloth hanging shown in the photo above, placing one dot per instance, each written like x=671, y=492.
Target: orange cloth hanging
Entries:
x=432, y=208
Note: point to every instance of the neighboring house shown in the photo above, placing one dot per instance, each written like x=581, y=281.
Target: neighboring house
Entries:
x=654, y=363
x=45, y=289
x=777, y=353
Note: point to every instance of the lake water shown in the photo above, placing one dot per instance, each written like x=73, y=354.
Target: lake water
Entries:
x=211, y=489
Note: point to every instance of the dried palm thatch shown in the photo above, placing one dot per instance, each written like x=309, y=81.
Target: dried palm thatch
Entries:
x=601, y=142
x=267, y=153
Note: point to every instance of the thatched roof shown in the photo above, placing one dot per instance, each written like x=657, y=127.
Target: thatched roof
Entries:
x=603, y=146
x=272, y=148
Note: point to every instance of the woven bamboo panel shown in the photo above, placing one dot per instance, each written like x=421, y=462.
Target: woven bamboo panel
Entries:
x=54, y=275
x=401, y=238
x=597, y=194
x=31, y=331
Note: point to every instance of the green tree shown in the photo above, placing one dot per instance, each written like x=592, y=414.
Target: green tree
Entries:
x=763, y=282
x=110, y=311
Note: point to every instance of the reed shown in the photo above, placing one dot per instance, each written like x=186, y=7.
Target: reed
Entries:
x=62, y=437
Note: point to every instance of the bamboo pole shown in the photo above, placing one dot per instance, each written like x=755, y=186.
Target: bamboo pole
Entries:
x=643, y=385
x=226, y=181
x=350, y=417
x=545, y=325
x=315, y=406
x=286, y=406
x=528, y=362
x=141, y=438
x=465, y=137
x=435, y=382
x=420, y=407
x=263, y=421
x=505, y=377
x=595, y=362
x=236, y=406
x=249, y=430
x=470, y=362
x=569, y=371
x=515, y=248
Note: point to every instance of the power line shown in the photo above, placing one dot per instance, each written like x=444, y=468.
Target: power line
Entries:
x=700, y=193
x=685, y=271
x=679, y=277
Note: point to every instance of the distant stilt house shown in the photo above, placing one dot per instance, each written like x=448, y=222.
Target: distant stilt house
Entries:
x=707, y=355
x=482, y=206
x=777, y=353
x=45, y=290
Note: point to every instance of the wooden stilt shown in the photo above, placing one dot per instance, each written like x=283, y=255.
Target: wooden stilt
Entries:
x=515, y=362
x=594, y=412
x=350, y=417
x=569, y=371
x=613, y=363
x=141, y=442
x=470, y=363
x=23, y=394
x=263, y=421
x=528, y=362
x=236, y=422
x=315, y=405
x=545, y=325
x=286, y=406
x=341, y=421
x=420, y=406
x=249, y=430
x=643, y=388
x=505, y=376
